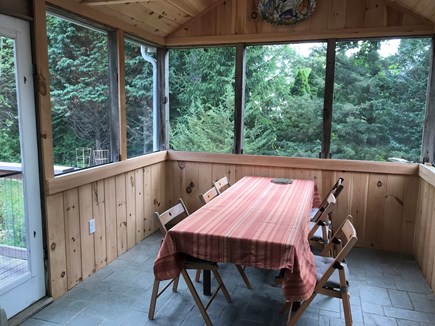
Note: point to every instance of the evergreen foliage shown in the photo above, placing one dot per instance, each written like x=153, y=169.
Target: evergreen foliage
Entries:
x=378, y=109
x=139, y=101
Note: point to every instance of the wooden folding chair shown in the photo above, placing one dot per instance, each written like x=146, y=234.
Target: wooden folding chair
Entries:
x=336, y=190
x=332, y=272
x=208, y=195
x=222, y=184
x=165, y=221
x=320, y=228
x=205, y=198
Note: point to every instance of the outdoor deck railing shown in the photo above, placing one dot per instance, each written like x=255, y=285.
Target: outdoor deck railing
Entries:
x=12, y=221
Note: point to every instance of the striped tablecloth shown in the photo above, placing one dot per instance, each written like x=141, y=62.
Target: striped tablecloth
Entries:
x=255, y=223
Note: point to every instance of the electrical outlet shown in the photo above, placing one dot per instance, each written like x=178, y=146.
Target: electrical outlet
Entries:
x=91, y=226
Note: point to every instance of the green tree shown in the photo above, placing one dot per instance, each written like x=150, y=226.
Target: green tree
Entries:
x=283, y=108
x=301, y=86
x=379, y=100
x=202, y=99
x=78, y=62
x=139, y=101
x=9, y=128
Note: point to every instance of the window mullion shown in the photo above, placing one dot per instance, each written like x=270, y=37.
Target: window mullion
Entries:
x=328, y=100
x=428, y=145
x=239, y=100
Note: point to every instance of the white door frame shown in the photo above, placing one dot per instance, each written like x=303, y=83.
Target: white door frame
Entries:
x=29, y=288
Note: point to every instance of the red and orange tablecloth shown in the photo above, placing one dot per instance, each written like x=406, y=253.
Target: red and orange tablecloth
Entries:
x=255, y=223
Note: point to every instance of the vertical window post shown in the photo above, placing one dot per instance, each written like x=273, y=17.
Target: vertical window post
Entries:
x=428, y=144
x=163, y=96
x=117, y=96
x=329, y=96
x=239, y=100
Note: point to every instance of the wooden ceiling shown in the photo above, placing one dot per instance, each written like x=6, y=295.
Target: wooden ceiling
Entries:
x=195, y=22
x=158, y=17
x=423, y=8
x=162, y=17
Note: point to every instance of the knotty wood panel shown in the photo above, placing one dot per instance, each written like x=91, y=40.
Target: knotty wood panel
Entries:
x=424, y=243
x=131, y=209
x=378, y=202
x=86, y=239
x=392, y=208
x=56, y=243
x=158, y=188
x=122, y=206
x=237, y=21
x=148, y=201
x=121, y=213
x=139, y=205
x=110, y=221
x=409, y=212
x=72, y=236
x=99, y=212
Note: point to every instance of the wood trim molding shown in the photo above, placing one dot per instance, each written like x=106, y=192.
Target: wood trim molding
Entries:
x=300, y=163
x=427, y=173
x=401, y=31
x=108, y=2
x=17, y=8
x=83, y=177
x=428, y=144
x=42, y=87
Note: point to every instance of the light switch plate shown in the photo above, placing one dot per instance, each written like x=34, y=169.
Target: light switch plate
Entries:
x=91, y=226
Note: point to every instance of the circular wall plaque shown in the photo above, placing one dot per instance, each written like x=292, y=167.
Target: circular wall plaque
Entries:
x=286, y=12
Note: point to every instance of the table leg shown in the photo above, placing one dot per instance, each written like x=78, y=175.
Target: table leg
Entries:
x=206, y=285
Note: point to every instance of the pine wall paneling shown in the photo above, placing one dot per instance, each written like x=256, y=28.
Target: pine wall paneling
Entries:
x=382, y=201
x=424, y=236
x=237, y=21
x=388, y=203
x=122, y=206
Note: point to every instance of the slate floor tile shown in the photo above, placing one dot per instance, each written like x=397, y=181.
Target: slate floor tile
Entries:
x=386, y=289
x=400, y=299
x=406, y=314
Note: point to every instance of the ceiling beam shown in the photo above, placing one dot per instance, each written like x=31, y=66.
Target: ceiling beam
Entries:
x=109, y=2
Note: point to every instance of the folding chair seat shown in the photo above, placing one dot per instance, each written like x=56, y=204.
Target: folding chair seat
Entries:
x=332, y=272
x=336, y=190
x=166, y=220
x=205, y=198
x=320, y=229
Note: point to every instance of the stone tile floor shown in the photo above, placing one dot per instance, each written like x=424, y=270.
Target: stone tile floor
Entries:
x=386, y=289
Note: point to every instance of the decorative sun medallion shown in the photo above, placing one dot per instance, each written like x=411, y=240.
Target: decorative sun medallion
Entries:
x=286, y=12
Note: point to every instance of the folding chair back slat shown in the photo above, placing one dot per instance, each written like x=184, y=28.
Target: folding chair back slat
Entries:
x=208, y=195
x=170, y=217
x=320, y=229
x=326, y=210
x=336, y=190
x=221, y=184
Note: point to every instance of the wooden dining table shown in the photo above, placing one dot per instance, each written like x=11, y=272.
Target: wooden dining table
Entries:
x=256, y=222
